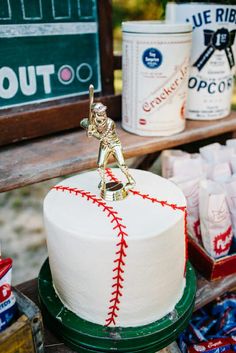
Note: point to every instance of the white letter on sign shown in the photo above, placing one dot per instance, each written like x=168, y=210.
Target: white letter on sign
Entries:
x=46, y=71
x=9, y=75
x=28, y=87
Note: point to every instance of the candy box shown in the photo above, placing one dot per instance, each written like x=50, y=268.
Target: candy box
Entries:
x=212, y=328
x=210, y=268
x=25, y=334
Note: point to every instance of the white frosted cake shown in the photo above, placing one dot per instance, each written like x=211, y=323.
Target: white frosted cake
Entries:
x=118, y=263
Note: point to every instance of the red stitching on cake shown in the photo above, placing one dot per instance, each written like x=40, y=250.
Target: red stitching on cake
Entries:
x=111, y=175
x=146, y=196
x=118, y=279
x=155, y=200
x=163, y=204
x=174, y=207
x=121, y=246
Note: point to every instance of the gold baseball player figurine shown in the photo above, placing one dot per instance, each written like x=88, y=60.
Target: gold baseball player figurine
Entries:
x=102, y=127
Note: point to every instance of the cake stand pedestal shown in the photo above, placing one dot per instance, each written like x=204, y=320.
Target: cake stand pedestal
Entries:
x=84, y=336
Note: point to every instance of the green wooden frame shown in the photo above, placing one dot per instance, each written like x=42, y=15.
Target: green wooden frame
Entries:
x=39, y=119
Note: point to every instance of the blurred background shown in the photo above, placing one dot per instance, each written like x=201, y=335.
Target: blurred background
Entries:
x=22, y=233
x=124, y=10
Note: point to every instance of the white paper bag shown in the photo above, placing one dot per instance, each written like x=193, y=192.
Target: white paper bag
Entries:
x=190, y=188
x=230, y=188
x=216, y=227
x=233, y=163
x=231, y=143
x=168, y=157
x=219, y=172
x=191, y=168
x=223, y=155
x=207, y=151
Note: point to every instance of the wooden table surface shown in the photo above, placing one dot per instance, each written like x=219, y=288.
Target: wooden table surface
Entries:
x=206, y=292
x=41, y=159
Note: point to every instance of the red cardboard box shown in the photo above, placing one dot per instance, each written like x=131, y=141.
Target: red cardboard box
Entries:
x=210, y=268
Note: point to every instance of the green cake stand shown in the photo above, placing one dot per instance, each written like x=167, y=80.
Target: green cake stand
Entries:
x=84, y=336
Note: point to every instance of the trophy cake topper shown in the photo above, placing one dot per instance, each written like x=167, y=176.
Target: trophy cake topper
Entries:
x=99, y=125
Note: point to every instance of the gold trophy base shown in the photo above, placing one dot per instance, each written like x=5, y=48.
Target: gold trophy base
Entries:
x=114, y=191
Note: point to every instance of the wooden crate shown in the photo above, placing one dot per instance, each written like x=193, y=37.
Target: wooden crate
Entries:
x=25, y=335
x=211, y=269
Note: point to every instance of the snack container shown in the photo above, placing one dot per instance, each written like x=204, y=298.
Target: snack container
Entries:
x=212, y=269
x=212, y=57
x=155, y=71
x=8, y=308
x=25, y=334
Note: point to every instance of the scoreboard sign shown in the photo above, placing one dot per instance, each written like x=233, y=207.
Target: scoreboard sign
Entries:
x=49, y=49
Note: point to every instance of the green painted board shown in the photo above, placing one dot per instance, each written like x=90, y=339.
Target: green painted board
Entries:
x=49, y=49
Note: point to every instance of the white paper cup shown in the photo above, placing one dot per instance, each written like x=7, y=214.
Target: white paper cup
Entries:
x=155, y=70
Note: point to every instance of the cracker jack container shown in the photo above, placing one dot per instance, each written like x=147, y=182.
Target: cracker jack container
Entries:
x=155, y=71
x=213, y=55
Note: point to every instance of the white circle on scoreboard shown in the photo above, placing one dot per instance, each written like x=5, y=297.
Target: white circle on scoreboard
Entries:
x=90, y=72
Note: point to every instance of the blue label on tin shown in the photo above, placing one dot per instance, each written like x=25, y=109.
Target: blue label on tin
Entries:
x=152, y=58
x=8, y=310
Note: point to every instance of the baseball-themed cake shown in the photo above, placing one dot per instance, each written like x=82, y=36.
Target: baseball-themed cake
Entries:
x=117, y=276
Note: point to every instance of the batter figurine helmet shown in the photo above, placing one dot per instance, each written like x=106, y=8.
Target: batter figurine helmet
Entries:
x=98, y=108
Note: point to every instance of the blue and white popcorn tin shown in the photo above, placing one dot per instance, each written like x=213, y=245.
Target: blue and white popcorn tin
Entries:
x=155, y=71
x=213, y=56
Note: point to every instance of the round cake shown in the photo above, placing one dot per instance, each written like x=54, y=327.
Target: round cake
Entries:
x=117, y=263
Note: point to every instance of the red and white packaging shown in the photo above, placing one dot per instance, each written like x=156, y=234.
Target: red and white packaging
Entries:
x=8, y=307
x=216, y=345
x=190, y=188
x=216, y=226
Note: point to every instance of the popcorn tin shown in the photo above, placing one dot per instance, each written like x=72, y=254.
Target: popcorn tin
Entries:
x=155, y=74
x=212, y=58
